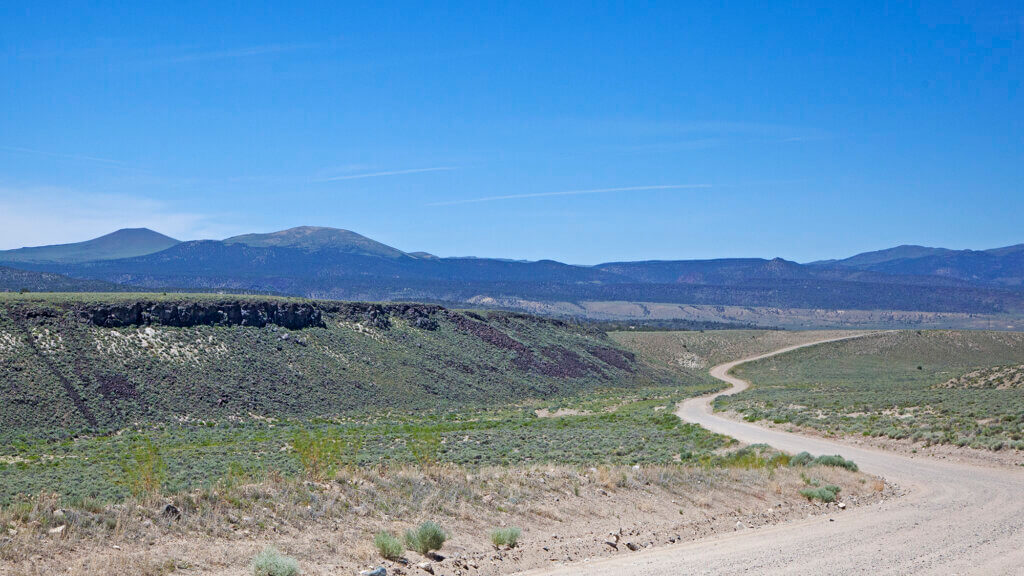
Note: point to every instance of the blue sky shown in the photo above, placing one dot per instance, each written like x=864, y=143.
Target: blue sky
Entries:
x=542, y=130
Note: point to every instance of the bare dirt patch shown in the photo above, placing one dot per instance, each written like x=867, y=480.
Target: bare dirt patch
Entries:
x=996, y=377
x=545, y=413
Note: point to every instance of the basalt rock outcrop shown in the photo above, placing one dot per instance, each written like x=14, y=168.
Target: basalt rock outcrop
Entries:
x=291, y=315
x=379, y=315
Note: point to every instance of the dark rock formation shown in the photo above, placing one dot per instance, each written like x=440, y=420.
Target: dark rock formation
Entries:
x=292, y=315
x=379, y=315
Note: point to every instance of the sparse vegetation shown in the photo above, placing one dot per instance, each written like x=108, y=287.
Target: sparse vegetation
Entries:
x=288, y=509
x=508, y=536
x=424, y=444
x=270, y=562
x=691, y=354
x=63, y=374
x=621, y=429
x=224, y=412
x=322, y=454
x=932, y=387
x=824, y=493
x=250, y=471
x=425, y=538
x=146, y=469
x=388, y=546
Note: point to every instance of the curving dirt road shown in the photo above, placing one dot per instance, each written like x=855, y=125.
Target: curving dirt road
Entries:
x=954, y=519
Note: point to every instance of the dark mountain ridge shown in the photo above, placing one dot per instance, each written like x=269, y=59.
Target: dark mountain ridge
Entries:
x=338, y=264
x=996, y=267
x=15, y=280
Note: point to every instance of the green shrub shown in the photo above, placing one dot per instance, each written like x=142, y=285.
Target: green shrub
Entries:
x=825, y=493
x=505, y=537
x=425, y=539
x=270, y=562
x=805, y=459
x=801, y=459
x=322, y=454
x=424, y=443
x=388, y=546
x=837, y=461
x=146, y=469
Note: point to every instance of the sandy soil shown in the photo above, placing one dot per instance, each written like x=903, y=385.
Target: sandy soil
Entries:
x=956, y=518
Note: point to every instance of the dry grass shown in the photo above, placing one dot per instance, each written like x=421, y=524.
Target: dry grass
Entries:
x=329, y=527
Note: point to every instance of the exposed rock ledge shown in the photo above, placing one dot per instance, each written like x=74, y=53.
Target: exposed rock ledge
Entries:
x=292, y=315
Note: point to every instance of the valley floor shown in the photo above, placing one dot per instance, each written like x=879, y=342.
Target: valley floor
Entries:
x=954, y=518
x=719, y=511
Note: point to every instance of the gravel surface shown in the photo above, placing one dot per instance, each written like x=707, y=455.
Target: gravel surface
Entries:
x=955, y=518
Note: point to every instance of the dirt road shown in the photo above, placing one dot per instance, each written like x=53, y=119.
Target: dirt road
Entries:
x=954, y=519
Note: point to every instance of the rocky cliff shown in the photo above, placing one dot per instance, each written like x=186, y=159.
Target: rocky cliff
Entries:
x=292, y=315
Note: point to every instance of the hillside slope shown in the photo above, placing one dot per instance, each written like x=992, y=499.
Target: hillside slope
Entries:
x=101, y=362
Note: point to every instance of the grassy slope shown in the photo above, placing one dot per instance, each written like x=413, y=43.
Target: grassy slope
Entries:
x=892, y=385
x=60, y=373
x=691, y=354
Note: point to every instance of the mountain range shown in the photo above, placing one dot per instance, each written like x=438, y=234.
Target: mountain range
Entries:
x=998, y=266
x=339, y=264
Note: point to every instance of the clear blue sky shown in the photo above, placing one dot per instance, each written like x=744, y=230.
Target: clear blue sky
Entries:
x=692, y=130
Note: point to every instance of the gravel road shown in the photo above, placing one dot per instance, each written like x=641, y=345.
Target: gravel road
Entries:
x=954, y=519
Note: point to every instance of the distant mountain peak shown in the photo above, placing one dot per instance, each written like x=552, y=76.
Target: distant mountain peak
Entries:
x=123, y=243
x=314, y=238
x=137, y=233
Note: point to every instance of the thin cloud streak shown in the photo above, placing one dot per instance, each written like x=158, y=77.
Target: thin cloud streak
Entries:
x=388, y=173
x=570, y=193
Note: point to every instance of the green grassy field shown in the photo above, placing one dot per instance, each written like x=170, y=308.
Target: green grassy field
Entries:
x=928, y=386
x=194, y=455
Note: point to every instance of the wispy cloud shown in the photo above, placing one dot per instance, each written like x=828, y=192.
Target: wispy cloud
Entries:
x=79, y=157
x=570, y=193
x=387, y=173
